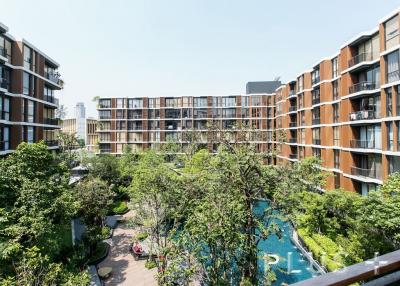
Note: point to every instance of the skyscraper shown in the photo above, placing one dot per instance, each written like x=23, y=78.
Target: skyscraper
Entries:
x=80, y=115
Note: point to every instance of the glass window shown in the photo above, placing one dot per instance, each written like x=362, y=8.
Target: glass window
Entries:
x=398, y=100
x=392, y=32
x=7, y=45
x=316, y=152
x=104, y=114
x=392, y=63
x=256, y=100
x=336, y=136
x=200, y=101
x=30, y=134
x=30, y=111
x=186, y=101
x=335, y=90
x=335, y=112
x=154, y=103
x=336, y=159
x=245, y=101
x=389, y=102
x=390, y=135
x=315, y=76
x=105, y=103
x=26, y=83
x=6, y=138
x=300, y=83
x=27, y=58
x=136, y=103
x=335, y=68
x=394, y=164
x=316, y=133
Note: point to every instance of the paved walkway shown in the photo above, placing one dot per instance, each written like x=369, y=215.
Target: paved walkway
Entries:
x=126, y=271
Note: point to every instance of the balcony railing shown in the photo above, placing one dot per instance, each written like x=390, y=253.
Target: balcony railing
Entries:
x=315, y=80
x=54, y=77
x=316, y=141
x=293, y=156
x=363, y=57
x=137, y=116
x=292, y=93
x=292, y=124
x=292, y=108
x=363, y=144
x=51, y=99
x=369, y=173
x=2, y=146
x=2, y=52
x=316, y=121
x=365, y=85
x=51, y=143
x=362, y=115
x=51, y=121
x=292, y=140
x=393, y=76
x=105, y=150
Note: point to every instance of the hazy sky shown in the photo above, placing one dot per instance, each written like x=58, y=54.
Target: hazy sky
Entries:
x=176, y=47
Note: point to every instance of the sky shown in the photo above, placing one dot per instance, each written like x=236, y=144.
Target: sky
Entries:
x=128, y=48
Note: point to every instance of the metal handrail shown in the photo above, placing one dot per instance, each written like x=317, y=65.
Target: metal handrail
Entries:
x=363, y=115
x=370, y=173
x=365, y=85
x=362, y=57
x=316, y=141
x=316, y=121
x=363, y=144
x=292, y=124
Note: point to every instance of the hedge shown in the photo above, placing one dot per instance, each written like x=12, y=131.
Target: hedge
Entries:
x=320, y=245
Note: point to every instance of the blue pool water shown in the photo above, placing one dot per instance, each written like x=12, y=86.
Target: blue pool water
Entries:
x=299, y=269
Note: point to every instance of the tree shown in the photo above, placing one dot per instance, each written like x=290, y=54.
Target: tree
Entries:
x=93, y=198
x=61, y=111
x=104, y=167
x=68, y=144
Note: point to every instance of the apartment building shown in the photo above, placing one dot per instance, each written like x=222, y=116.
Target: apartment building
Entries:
x=150, y=122
x=345, y=109
x=92, y=137
x=71, y=126
x=29, y=81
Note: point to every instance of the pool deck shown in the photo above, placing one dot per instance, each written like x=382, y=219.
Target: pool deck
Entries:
x=126, y=271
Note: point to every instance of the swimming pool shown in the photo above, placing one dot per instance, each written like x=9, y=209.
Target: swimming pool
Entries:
x=291, y=266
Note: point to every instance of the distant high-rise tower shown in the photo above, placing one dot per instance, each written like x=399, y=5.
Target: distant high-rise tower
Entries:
x=80, y=115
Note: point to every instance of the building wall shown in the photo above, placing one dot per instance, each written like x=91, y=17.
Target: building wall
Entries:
x=29, y=81
x=345, y=109
x=92, y=136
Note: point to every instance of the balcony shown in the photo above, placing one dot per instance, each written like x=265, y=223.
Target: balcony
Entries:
x=135, y=116
x=363, y=115
x=51, y=99
x=393, y=76
x=105, y=150
x=2, y=146
x=364, y=144
x=292, y=124
x=363, y=57
x=292, y=93
x=53, y=77
x=315, y=80
x=51, y=121
x=316, y=100
x=292, y=140
x=51, y=143
x=292, y=108
x=293, y=156
x=363, y=86
x=316, y=141
x=316, y=121
x=368, y=173
x=3, y=53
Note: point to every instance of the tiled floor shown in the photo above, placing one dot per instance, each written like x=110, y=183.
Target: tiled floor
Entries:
x=126, y=271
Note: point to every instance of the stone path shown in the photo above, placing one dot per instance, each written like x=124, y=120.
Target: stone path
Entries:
x=126, y=271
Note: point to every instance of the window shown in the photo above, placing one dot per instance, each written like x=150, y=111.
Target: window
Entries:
x=335, y=90
x=4, y=77
x=120, y=103
x=336, y=159
x=336, y=136
x=105, y=114
x=229, y=113
x=316, y=116
x=390, y=142
x=256, y=100
x=315, y=76
x=335, y=68
x=121, y=137
x=300, y=101
x=120, y=114
x=105, y=103
x=105, y=126
x=5, y=48
x=186, y=101
x=394, y=164
x=138, y=103
x=26, y=83
x=153, y=102
x=105, y=136
x=316, y=152
x=30, y=134
x=172, y=102
x=228, y=101
x=4, y=108
x=245, y=101
x=389, y=102
x=398, y=101
x=120, y=125
x=392, y=32
x=316, y=96
x=27, y=58
x=30, y=111
x=200, y=102
x=316, y=135
x=302, y=136
x=335, y=113
x=300, y=83
x=392, y=67
x=336, y=180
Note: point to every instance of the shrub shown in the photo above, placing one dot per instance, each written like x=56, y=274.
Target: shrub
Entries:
x=99, y=254
x=119, y=207
x=142, y=236
x=105, y=232
x=150, y=264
